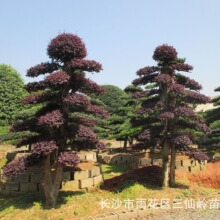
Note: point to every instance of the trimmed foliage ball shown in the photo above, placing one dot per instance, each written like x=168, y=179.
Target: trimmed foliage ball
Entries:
x=68, y=158
x=66, y=47
x=165, y=53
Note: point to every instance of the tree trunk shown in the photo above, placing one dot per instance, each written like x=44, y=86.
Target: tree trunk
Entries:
x=125, y=143
x=165, y=166
x=51, y=186
x=131, y=140
x=172, y=167
x=152, y=155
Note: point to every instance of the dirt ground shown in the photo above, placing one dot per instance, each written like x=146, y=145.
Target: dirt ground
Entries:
x=210, y=177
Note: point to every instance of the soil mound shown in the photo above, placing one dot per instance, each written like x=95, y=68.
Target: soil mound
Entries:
x=150, y=175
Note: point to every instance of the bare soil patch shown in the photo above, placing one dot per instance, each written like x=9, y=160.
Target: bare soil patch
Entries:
x=210, y=177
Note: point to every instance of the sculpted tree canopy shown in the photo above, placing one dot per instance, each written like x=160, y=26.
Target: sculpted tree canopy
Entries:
x=212, y=117
x=166, y=114
x=11, y=92
x=113, y=99
x=62, y=124
x=120, y=123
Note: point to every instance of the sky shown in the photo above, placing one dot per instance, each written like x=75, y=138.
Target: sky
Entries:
x=120, y=34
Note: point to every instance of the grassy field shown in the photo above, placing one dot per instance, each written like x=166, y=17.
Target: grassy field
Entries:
x=2, y=162
x=113, y=170
x=73, y=205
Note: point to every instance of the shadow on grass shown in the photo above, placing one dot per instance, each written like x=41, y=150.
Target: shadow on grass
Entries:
x=64, y=196
x=113, y=169
x=180, y=186
x=150, y=177
x=29, y=200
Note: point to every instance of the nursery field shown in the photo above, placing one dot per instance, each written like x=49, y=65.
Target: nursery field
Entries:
x=119, y=186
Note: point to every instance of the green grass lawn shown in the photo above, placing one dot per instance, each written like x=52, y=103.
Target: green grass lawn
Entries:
x=110, y=171
x=2, y=162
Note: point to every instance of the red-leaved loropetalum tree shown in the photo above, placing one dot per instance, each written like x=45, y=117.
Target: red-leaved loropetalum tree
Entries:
x=166, y=115
x=63, y=124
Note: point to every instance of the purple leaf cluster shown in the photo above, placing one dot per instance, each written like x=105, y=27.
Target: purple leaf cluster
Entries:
x=149, y=107
x=15, y=167
x=192, y=84
x=57, y=78
x=44, y=148
x=144, y=136
x=100, y=145
x=198, y=155
x=144, y=80
x=186, y=124
x=181, y=67
x=165, y=53
x=68, y=158
x=147, y=70
x=137, y=81
x=87, y=86
x=195, y=97
x=54, y=118
x=84, y=65
x=187, y=82
x=77, y=100
x=42, y=68
x=37, y=98
x=66, y=47
x=188, y=113
x=146, y=93
x=86, y=121
x=35, y=86
x=166, y=115
x=163, y=79
x=184, y=111
x=18, y=166
x=181, y=140
x=98, y=111
x=195, y=154
x=84, y=133
x=138, y=146
x=203, y=128
x=177, y=89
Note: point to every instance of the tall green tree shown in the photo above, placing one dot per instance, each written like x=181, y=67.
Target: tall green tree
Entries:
x=120, y=123
x=166, y=114
x=113, y=98
x=212, y=117
x=11, y=93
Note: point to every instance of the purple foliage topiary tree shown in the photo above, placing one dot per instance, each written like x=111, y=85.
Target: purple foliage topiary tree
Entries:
x=166, y=115
x=64, y=122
